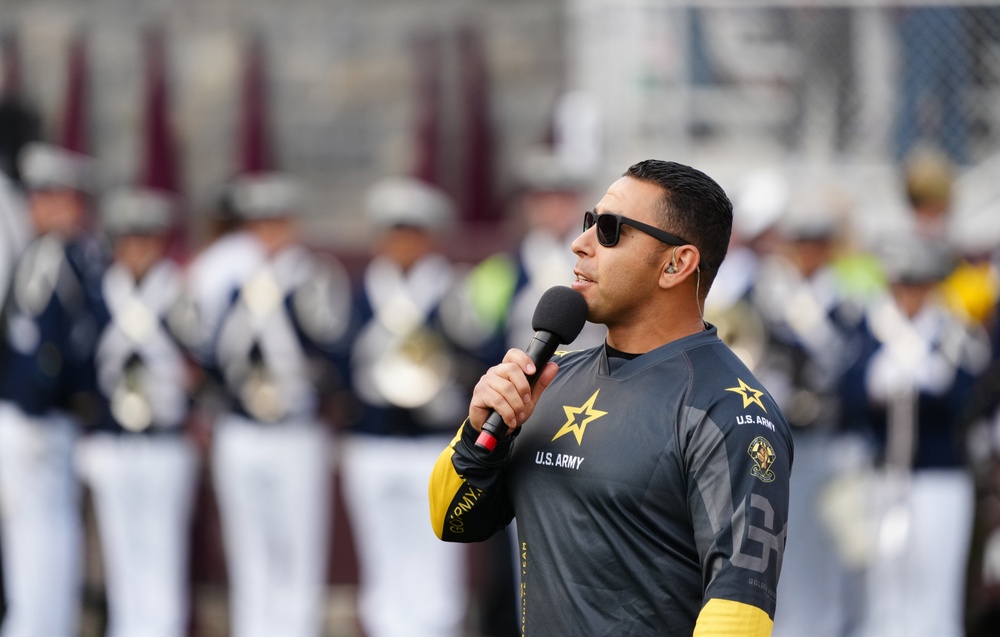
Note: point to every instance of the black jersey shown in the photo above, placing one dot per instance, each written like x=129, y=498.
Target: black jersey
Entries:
x=642, y=495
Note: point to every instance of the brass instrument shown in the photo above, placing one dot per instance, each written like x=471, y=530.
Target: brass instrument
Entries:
x=130, y=404
x=404, y=370
x=741, y=327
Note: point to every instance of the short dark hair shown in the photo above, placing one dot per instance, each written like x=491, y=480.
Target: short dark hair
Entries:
x=694, y=207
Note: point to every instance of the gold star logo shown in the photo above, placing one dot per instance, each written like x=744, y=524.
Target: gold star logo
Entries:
x=577, y=418
x=749, y=394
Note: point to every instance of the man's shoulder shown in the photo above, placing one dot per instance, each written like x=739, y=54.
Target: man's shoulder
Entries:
x=722, y=384
x=714, y=365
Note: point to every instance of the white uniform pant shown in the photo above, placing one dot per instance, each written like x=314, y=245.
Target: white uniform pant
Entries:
x=814, y=581
x=143, y=488
x=40, y=524
x=272, y=482
x=916, y=583
x=411, y=583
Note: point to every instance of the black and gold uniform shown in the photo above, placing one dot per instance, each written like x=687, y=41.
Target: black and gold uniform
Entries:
x=651, y=494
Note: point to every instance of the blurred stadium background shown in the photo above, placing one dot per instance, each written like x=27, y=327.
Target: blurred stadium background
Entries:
x=456, y=90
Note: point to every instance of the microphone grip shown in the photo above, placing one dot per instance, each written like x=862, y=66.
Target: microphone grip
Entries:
x=541, y=348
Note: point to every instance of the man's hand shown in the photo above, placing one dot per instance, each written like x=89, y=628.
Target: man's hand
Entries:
x=505, y=389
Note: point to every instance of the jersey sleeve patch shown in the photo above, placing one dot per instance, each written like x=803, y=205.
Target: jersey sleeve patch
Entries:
x=762, y=453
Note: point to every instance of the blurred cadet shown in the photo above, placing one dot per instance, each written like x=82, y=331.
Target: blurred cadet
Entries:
x=285, y=315
x=139, y=463
x=910, y=385
x=929, y=185
x=19, y=124
x=973, y=289
x=48, y=336
x=216, y=270
x=549, y=205
x=806, y=311
x=14, y=230
x=931, y=189
x=980, y=236
x=808, y=320
x=411, y=379
x=983, y=422
x=761, y=198
x=209, y=280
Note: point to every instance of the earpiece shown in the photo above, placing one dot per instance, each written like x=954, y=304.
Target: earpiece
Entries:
x=672, y=268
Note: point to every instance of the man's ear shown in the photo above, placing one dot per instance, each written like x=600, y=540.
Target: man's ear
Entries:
x=684, y=260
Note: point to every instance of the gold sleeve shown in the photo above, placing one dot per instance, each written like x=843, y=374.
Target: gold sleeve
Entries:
x=726, y=618
x=466, y=493
x=444, y=485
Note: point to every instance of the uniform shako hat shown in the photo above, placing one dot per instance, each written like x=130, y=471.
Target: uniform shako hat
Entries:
x=762, y=198
x=913, y=259
x=812, y=216
x=408, y=202
x=265, y=195
x=928, y=175
x=542, y=170
x=46, y=166
x=135, y=210
x=806, y=227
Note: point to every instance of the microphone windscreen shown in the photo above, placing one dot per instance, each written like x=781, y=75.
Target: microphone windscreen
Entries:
x=561, y=311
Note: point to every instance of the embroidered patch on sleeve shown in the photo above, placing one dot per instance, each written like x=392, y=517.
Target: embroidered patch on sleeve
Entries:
x=762, y=453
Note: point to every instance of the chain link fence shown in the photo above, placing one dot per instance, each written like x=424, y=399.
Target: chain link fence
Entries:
x=847, y=79
x=858, y=80
x=849, y=87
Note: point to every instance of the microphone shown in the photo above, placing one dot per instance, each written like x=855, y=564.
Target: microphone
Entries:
x=558, y=319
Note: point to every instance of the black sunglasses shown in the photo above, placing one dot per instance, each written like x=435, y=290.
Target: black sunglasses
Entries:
x=609, y=229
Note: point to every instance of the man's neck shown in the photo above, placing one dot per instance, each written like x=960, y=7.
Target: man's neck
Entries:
x=639, y=340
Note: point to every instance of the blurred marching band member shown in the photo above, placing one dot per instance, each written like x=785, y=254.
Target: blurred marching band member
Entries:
x=409, y=374
x=550, y=205
x=20, y=124
x=982, y=595
x=281, y=315
x=48, y=335
x=214, y=272
x=808, y=320
x=760, y=200
x=14, y=231
x=139, y=463
x=930, y=190
x=910, y=386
